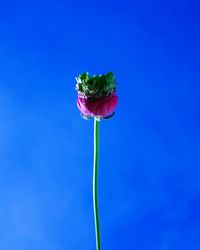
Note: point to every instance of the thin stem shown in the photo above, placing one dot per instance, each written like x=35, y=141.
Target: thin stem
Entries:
x=95, y=183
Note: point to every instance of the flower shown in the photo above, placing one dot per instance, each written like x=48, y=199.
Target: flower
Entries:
x=96, y=95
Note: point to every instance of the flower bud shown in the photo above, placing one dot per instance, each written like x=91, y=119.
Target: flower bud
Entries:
x=96, y=95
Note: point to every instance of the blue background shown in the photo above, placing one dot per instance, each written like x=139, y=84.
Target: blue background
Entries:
x=149, y=180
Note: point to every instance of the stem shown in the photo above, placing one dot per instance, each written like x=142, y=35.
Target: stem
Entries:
x=95, y=182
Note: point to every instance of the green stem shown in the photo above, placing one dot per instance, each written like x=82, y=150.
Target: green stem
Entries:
x=95, y=182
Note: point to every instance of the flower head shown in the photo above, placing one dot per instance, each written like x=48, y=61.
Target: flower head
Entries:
x=96, y=95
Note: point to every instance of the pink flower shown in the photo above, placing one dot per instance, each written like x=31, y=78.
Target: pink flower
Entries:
x=96, y=95
x=99, y=106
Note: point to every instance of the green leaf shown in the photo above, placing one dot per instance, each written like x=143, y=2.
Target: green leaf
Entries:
x=96, y=85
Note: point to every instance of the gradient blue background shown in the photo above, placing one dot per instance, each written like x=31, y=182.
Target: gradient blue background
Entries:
x=149, y=180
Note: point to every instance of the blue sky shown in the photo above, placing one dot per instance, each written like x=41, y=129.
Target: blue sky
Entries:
x=149, y=188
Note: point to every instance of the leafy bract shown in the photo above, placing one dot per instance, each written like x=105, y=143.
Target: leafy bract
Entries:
x=96, y=86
